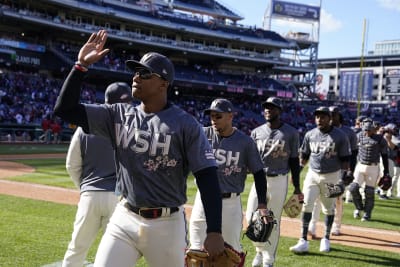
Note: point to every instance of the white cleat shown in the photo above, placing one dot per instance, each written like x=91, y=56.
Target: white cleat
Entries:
x=257, y=261
x=325, y=245
x=300, y=247
x=356, y=214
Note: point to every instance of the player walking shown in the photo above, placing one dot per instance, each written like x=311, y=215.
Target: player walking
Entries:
x=328, y=150
x=236, y=153
x=278, y=145
x=156, y=145
x=96, y=178
x=336, y=121
x=371, y=147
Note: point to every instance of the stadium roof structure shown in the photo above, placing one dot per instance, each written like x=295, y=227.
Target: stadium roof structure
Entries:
x=189, y=32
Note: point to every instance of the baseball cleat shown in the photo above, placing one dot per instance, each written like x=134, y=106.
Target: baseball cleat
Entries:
x=365, y=218
x=336, y=233
x=257, y=261
x=325, y=245
x=356, y=214
x=300, y=247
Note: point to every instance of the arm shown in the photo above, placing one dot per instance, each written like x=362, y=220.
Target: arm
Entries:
x=210, y=192
x=260, y=182
x=67, y=105
x=294, y=165
x=385, y=163
x=74, y=159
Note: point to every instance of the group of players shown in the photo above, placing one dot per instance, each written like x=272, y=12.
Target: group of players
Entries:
x=149, y=150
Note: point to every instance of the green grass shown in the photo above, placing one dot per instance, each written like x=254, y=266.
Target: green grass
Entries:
x=26, y=148
x=35, y=233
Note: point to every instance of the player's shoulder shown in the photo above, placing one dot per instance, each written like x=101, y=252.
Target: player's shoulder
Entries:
x=289, y=128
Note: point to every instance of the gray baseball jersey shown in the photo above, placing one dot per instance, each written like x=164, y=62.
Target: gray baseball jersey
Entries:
x=351, y=135
x=97, y=173
x=370, y=148
x=154, y=152
x=325, y=149
x=235, y=155
x=276, y=146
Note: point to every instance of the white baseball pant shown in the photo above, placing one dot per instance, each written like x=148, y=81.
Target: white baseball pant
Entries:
x=277, y=188
x=162, y=241
x=232, y=218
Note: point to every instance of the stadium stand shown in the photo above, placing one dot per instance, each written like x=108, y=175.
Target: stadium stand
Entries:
x=214, y=56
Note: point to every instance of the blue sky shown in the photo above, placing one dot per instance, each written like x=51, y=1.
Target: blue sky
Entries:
x=341, y=25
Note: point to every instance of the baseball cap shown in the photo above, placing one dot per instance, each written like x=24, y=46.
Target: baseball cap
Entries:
x=334, y=109
x=118, y=92
x=156, y=63
x=220, y=105
x=361, y=118
x=322, y=110
x=390, y=127
x=273, y=101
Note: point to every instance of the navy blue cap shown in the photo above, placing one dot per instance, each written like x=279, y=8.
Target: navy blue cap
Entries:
x=220, y=105
x=156, y=63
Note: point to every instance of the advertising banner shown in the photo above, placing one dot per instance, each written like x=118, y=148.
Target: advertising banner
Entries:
x=295, y=10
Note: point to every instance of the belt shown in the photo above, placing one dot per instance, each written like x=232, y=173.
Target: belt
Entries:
x=273, y=174
x=151, y=213
x=229, y=195
x=369, y=163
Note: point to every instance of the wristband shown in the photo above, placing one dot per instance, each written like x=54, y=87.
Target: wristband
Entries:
x=79, y=66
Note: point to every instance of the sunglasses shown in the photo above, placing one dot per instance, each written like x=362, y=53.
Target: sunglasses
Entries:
x=216, y=116
x=146, y=74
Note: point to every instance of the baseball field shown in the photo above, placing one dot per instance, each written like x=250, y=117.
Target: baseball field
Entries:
x=38, y=205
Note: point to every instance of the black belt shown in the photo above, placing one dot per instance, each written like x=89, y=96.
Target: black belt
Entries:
x=151, y=213
x=273, y=174
x=369, y=163
x=229, y=195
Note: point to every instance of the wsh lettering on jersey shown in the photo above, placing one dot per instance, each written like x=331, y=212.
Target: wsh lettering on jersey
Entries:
x=143, y=141
x=273, y=148
x=228, y=158
x=157, y=145
x=326, y=148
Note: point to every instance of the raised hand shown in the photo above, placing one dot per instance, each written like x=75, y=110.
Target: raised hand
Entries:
x=92, y=51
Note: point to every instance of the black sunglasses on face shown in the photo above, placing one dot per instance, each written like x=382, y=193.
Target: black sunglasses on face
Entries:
x=146, y=74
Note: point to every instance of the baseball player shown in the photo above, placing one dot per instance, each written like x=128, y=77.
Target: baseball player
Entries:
x=156, y=145
x=328, y=150
x=278, y=145
x=96, y=178
x=394, y=158
x=371, y=147
x=236, y=154
x=336, y=121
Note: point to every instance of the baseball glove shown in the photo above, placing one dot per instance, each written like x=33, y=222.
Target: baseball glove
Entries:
x=334, y=190
x=258, y=230
x=200, y=258
x=293, y=206
x=385, y=182
x=347, y=177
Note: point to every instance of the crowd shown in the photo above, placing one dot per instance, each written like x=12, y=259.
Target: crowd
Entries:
x=27, y=98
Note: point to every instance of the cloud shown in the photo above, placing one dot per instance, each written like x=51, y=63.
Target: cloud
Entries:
x=390, y=4
x=329, y=23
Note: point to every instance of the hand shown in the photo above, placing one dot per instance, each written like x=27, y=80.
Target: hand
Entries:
x=92, y=51
x=300, y=196
x=214, y=244
x=264, y=213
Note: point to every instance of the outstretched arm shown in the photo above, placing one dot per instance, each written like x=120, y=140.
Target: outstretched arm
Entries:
x=67, y=105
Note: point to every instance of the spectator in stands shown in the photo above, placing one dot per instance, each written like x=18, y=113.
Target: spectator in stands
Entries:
x=55, y=127
x=46, y=127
